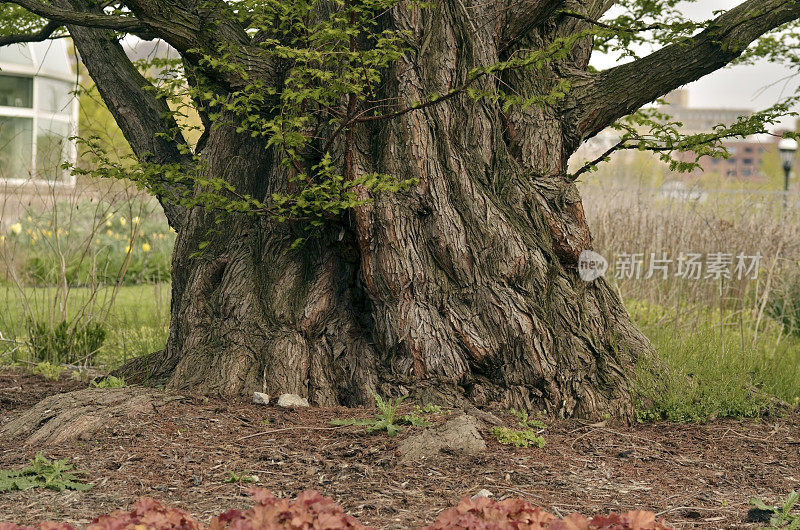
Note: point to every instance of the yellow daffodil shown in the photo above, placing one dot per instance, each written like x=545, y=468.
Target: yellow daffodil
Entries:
x=127, y=249
x=146, y=247
x=136, y=220
x=2, y=239
x=116, y=236
x=108, y=223
x=16, y=228
x=110, y=232
x=123, y=221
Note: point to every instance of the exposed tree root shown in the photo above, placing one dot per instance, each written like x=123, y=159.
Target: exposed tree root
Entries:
x=82, y=413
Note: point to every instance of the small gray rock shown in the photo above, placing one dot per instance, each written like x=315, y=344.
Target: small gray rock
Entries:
x=292, y=400
x=260, y=398
x=483, y=493
x=459, y=435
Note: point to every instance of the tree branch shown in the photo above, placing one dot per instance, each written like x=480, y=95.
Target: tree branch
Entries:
x=82, y=18
x=599, y=100
x=146, y=121
x=39, y=36
x=521, y=16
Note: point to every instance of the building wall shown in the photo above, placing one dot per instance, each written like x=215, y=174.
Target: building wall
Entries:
x=38, y=116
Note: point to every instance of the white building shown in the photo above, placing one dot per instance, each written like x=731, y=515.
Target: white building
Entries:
x=38, y=113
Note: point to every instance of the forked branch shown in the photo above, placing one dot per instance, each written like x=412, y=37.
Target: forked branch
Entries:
x=600, y=100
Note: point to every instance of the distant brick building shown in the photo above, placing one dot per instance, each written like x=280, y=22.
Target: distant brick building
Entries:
x=747, y=155
x=698, y=120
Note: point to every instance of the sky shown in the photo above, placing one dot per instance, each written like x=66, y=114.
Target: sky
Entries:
x=743, y=87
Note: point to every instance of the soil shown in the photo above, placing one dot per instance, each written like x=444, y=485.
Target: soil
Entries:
x=695, y=476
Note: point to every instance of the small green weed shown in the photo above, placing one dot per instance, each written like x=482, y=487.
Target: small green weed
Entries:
x=415, y=419
x=42, y=473
x=387, y=419
x=109, y=382
x=518, y=437
x=525, y=421
x=783, y=517
x=244, y=478
x=48, y=370
x=430, y=408
x=384, y=421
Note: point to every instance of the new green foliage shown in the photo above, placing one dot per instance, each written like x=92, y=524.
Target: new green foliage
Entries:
x=43, y=473
x=784, y=515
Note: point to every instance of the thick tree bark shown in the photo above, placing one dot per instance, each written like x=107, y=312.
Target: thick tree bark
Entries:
x=463, y=288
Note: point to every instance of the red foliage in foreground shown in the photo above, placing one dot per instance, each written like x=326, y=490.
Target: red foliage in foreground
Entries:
x=309, y=510
x=486, y=514
x=313, y=511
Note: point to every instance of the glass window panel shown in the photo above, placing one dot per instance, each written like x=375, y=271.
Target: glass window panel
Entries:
x=52, y=146
x=52, y=57
x=16, y=54
x=55, y=96
x=16, y=91
x=16, y=147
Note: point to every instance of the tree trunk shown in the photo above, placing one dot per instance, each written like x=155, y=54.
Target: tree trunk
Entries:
x=464, y=287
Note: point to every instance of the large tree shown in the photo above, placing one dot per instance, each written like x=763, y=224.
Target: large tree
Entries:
x=380, y=199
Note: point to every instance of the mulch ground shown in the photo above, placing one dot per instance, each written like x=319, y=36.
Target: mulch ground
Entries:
x=695, y=476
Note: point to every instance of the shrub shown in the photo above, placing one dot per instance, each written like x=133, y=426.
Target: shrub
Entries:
x=783, y=305
x=487, y=514
x=65, y=342
x=310, y=510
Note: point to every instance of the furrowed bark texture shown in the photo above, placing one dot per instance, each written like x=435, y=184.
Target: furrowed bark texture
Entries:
x=463, y=288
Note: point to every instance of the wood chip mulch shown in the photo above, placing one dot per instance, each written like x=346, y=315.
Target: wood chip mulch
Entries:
x=695, y=476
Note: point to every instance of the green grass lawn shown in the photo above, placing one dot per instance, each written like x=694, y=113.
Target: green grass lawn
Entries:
x=710, y=367
x=136, y=317
x=714, y=367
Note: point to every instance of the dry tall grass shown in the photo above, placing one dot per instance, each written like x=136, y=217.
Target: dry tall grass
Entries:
x=730, y=350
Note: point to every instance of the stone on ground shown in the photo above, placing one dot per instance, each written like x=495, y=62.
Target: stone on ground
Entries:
x=260, y=398
x=482, y=493
x=459, y=435
x=292, y=400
